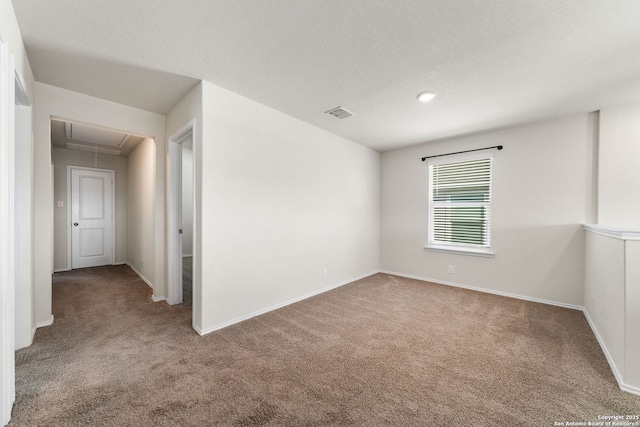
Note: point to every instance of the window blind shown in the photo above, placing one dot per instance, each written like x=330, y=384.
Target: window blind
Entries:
x=460, y=203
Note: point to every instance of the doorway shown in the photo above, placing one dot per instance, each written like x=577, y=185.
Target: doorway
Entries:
x=16, y=223
x=91, y=199
x=181, y=219
x=127, y=202
x=187, y=220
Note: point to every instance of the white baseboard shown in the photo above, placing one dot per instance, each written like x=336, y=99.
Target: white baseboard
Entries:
x=62, y=270
x=33, y=333
x=45, y=323
x=144, y=279
x=157, y=299
x=280, y=305
x=630, y=389
x=487, y=291
x=612, y=363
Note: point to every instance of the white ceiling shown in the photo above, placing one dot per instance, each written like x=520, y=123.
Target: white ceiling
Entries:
x=492, y=63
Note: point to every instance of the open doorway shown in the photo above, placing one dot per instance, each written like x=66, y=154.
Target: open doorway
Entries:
x=92, y=185
x=187, y=220
x=181, y=224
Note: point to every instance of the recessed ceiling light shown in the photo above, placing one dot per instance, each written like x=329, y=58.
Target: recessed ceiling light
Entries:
x=426, y=96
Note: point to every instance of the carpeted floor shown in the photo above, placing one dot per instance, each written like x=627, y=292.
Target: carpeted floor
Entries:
x=187, y=281
x=380, y=351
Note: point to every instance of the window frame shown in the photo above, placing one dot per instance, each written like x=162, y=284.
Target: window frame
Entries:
x=452, y=247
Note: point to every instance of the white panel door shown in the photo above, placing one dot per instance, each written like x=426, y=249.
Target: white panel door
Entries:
x=91, y=218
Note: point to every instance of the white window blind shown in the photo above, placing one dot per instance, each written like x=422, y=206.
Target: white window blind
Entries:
x=460, y=203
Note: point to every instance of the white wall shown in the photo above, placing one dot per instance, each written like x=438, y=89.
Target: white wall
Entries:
x=542, y=194
x=140, y=210
x=55, y=102
x=619, y=174
x=604, y=293
x=16, y=299
x=612, y=286
x=62, y=158
x=25, y=325
x=632, y=314
x=190, y=108
x=612, y=299
x=282, y=201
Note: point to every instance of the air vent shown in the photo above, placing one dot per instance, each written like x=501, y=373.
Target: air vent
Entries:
x=339, y=113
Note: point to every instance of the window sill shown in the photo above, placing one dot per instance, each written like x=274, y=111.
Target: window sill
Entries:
x=486, y=253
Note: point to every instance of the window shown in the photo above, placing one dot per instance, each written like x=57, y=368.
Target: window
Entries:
x=460, y=205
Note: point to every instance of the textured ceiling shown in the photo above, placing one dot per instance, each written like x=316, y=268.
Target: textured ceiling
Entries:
x=493, y=63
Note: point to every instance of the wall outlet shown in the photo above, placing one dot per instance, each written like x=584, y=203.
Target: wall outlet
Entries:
x=141, y=263
x=450, y=270
x=60, y=204
x=324, y=273
x=593, y=303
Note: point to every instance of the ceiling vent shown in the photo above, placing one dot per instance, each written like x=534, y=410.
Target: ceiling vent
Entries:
x=339, y=113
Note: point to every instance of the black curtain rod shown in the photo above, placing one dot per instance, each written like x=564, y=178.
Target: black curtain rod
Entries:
x=499, y=147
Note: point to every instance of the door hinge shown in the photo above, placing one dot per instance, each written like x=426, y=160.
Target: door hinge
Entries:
x=180, y=231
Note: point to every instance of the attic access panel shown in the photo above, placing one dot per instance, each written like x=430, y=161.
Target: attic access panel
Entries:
x=95, y=135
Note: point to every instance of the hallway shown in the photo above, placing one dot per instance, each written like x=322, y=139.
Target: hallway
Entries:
x=107, y=334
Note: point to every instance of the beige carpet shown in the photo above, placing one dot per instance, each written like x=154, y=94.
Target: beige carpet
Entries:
x=187, y=280
x=380, y=351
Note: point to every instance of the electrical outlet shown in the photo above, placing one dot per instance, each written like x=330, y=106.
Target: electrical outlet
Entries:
x=593, y=303
x=324, y=273
x=450, y=270
x=141, y=264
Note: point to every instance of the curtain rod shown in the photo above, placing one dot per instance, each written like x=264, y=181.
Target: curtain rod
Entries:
x=499, y=147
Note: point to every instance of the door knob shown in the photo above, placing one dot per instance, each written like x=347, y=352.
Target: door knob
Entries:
x=75, y=224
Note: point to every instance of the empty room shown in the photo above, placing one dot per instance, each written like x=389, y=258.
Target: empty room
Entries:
x=407, y=212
